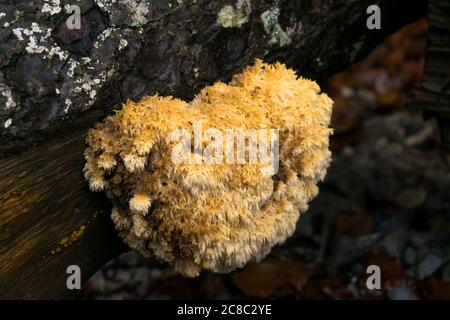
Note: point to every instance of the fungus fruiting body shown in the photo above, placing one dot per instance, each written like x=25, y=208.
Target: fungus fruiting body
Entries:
x=214, y=215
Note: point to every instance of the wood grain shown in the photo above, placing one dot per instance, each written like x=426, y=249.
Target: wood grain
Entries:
x=44, y=199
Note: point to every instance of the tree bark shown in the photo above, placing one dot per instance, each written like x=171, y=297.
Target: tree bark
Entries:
x=48, y=218
x=433, y=94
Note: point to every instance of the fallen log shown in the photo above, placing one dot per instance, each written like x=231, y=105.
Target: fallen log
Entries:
x=48, y=218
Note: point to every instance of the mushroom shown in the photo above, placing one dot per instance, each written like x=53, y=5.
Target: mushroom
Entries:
x=216, y=182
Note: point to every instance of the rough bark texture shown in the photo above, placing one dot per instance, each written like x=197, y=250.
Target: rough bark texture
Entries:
x=53, y=79
x=433, y=94
x=55, y=83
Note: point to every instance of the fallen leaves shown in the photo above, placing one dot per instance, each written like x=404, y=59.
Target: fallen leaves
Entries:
x=381, y=82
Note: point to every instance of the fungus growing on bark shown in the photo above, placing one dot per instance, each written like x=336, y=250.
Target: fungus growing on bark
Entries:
x=217, y=215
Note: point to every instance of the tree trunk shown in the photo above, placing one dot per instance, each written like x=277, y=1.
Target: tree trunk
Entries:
x=61, y=83
x=433, y=94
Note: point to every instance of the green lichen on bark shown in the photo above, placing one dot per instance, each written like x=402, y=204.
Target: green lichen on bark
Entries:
x=278, y=36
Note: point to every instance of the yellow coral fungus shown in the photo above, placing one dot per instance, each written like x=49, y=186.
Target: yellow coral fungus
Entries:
x=210, y=214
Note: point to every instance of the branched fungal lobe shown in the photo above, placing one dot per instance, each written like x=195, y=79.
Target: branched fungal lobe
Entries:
x=212, y=216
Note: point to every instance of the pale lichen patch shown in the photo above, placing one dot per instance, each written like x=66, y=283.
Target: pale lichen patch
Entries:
x=122, y=44
x=60, y=53
x=18, y=33
x=135, y=9
x=229, y=17
x=7, y=93
x=8, y=123
x=72, y=65
x=6, y=23
x=67, y=103
x=272, y=27
x=15, y=19
x=52, y=7
x=38, y=41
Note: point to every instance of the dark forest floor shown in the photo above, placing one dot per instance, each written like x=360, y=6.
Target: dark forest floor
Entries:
x=385, y=201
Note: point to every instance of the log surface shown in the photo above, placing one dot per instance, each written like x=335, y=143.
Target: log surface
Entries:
x=44, y=201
